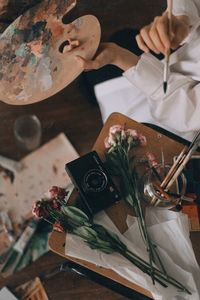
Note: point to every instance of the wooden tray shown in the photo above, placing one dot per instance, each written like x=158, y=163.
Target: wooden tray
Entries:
x=155, y=143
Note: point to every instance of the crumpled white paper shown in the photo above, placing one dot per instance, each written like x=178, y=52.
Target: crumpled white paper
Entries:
x=170, y=231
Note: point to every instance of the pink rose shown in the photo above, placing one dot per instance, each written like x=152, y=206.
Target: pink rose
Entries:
x=133, y=133
x=151, y=159
x=109, y=141
x=116, y=129
x=106, y=143
x=142, y=139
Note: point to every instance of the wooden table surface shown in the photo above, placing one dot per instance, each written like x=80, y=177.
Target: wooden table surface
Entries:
x=72, y=112
x=119, y=211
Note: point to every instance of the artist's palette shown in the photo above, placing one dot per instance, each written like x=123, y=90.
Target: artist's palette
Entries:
x=35, y=56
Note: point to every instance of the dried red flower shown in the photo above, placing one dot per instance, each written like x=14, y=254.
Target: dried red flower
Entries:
x=58, y=227
x=57, y=192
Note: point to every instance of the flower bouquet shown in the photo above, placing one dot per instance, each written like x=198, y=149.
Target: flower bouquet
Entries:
x=120, y=156
x=120, y=145
x=64, y=218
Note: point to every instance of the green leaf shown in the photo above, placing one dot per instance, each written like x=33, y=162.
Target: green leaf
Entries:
x=76, y=215
x=109, y=237
x=77, y=212
x=102, y=232
x=86, y=233
x=95, y=246
x=103, y=243
x=131, y=160
x=90, y=236
x=117, y=240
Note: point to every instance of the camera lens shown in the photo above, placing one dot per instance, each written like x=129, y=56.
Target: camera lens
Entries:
x=94, y=181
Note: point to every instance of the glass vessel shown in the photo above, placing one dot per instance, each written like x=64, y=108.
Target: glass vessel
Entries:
x=154, y=194
x=27, y=131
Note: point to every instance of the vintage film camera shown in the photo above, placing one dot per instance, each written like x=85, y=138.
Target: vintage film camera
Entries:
x=92, y=181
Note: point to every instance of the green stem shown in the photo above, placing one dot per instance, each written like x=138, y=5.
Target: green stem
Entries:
x=157, y=273
x=142, y=225
x=118, y=246
x=140, y=218
x=130, y=182
x=145, y=268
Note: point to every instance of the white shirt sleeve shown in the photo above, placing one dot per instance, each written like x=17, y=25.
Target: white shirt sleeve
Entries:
x=179, y=108
x=190, y=8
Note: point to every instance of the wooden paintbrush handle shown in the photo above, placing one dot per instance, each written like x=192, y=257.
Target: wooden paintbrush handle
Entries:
x=173, y=168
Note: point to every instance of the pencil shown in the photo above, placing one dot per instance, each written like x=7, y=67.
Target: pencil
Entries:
x=167, y=54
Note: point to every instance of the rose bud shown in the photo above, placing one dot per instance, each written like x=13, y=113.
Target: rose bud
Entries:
x=56, y=192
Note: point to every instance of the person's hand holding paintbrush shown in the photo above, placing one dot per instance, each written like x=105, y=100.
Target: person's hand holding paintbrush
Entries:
x=153, y=37
x=164, y=33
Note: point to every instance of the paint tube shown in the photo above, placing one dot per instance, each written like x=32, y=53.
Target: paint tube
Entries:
x=18, y=248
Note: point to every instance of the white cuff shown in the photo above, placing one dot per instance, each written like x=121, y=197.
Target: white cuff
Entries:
x=193, y=34
x=188, y=8
x=147, y=75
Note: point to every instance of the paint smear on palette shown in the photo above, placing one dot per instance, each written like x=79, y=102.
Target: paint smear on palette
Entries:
x=40, y=79
x=28, y=63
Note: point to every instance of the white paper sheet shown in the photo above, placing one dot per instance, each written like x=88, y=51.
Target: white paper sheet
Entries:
x=5, y=294
x=42, y=169
x=169, y=230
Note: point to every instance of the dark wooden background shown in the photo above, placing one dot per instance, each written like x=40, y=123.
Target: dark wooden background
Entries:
x=71, y=111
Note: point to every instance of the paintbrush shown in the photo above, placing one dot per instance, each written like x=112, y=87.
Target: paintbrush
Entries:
x=182, y=159
x=170, y=173
x=183, y=163
x=174, y=167
x=179, y=165
x=167, y=54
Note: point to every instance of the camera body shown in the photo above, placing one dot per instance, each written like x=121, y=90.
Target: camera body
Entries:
x=93, y=182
